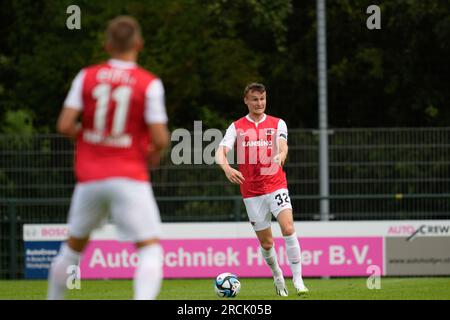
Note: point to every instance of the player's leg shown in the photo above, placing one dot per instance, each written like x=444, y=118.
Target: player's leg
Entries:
x=269, y=254
x=293, y=251
x=149, y=273
x=282, y=210
x=258, y=212
x=85, y=214
x=136, y=215
x=268, y=251
x=59, y=269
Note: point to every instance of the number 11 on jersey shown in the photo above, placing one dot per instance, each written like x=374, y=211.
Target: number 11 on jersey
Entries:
x=121, y=95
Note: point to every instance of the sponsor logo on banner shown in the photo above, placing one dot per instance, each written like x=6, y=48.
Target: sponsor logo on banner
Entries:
x=45, y=232
x=411, y=232
x=38, y=257
x=401, y=230
x=199, y=258
x=52, y=232
x=424, y=230
x=194, y=250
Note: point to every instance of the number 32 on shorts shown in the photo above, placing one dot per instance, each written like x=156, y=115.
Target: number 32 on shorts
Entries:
x=282, y=198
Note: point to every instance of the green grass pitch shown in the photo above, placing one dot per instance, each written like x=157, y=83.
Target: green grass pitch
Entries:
x=436, y=288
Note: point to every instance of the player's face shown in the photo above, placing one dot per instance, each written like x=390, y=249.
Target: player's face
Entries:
x=256, y=102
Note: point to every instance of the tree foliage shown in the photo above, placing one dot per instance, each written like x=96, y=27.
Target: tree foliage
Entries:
x=207, y=51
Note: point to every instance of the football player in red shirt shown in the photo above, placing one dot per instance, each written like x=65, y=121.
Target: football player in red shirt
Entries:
x=123, y=126
x=261, y=145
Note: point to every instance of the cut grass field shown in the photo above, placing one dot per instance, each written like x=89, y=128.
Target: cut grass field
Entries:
x=435, y=288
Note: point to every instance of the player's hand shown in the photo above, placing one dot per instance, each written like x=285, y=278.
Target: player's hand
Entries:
x=154, y=157
x=234, y=176
x=280, y=159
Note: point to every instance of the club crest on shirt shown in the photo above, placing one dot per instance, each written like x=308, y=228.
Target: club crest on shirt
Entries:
x=269, y=131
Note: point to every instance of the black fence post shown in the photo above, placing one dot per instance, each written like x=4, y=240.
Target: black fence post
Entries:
x=12, y=217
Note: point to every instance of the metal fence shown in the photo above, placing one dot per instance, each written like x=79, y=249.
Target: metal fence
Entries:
x=374, y=174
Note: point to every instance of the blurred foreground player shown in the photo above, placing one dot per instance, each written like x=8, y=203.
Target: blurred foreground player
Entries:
x=261, y=146
x=124, y=126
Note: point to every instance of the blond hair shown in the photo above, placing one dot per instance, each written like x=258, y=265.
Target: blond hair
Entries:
x=122, y=33
x=254, y=86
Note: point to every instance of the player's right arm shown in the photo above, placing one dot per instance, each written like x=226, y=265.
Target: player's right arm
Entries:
x=232, y=174
x=221, y=156
x=67, y=124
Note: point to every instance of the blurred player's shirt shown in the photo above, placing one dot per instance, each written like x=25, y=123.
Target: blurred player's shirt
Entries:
x=256, y=145
x=117, y=100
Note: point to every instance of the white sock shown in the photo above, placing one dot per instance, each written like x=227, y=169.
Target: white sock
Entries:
x=294, y=257
x=57, y=279
x=271, y=259
x=149, y=273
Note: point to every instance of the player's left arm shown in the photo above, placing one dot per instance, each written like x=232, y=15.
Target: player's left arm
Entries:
x=68, y=122
x=156, y=119
x=282, y=144
x=283, y=151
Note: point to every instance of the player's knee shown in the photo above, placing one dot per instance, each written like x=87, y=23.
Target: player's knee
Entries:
x=267, y=244
x=151, y=256
x=77, y=244
x=288, y=229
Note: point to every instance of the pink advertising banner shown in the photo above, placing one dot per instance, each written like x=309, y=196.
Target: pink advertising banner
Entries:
x=206, y=258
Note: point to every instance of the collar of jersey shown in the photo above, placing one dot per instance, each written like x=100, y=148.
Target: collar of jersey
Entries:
x=122, y=64
x=256, y=123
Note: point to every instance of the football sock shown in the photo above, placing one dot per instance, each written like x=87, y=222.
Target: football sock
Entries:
x=271, y=259
x=148, y=275
x=57, y=280
x=294, y=256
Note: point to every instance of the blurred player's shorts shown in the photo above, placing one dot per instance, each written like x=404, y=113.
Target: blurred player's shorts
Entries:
x=130, y=203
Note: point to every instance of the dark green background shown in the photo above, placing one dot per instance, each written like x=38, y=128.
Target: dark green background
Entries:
x=206, y=51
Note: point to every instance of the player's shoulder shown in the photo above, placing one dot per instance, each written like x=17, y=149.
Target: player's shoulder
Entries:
x=142, y=72
x=273, y=118
x=241, y=120
x=90, y=71
x=272, y=121
x=94, y=67
x=145, y=73
x=146, y=78
x=276, y=120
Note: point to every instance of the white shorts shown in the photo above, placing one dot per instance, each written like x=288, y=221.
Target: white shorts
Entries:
x=130, y=203
x=261, y=208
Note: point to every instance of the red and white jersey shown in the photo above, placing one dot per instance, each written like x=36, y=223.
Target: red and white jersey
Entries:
x=256, y=145
x=117, y=100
